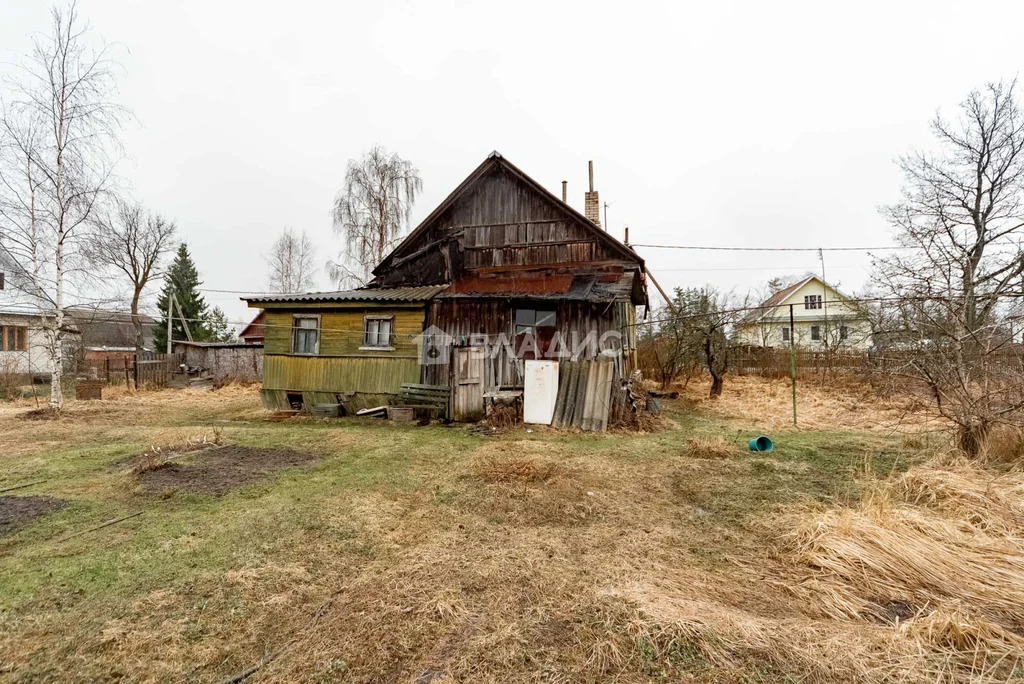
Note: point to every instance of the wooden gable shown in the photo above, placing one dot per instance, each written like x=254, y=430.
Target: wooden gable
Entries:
x=499, y=221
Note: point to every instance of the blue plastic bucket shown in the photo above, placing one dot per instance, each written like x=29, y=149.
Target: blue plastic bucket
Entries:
x=761, y=443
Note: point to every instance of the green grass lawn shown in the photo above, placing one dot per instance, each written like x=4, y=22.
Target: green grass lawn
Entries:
x=390, y=557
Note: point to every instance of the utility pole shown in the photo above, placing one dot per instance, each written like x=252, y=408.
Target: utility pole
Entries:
x=170, y=314
x=181, y=315
x=792, y=358
x=824, y=295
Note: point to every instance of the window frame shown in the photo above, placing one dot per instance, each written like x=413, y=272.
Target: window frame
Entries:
x=296, y=329
x=785, y=333
x=367, y=319
x=813, y=302
x=844, y=332
x=11, y=335
x=815, y=333
x=541, y=343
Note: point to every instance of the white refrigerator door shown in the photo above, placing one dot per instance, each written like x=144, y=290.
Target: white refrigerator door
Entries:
x=540, y=391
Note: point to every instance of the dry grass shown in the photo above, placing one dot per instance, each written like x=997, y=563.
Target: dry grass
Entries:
x=427, y=554
x=1005, y=444
x=837, y=404
x=503, y=417
x=938, y=552
x=506, y=470
x=705, y=446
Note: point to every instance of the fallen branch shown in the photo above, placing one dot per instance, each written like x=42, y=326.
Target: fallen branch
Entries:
x=21, y=486
x=266, y=660
x=100, y=527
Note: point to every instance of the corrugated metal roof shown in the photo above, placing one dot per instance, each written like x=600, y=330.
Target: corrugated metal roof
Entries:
x=382, y=294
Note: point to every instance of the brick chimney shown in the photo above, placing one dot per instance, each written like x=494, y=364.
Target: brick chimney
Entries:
x=591, y=203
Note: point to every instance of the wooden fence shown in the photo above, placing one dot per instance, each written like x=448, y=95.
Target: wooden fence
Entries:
x=148, y=369
x=775, y=363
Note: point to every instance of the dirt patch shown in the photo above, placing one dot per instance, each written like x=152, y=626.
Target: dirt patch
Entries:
x=154, y=458
x=218, y=470
x=16, y=511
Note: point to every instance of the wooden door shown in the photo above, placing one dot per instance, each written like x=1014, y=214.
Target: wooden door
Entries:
x=468, y=383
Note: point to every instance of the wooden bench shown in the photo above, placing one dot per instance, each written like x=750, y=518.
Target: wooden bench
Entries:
x=429, y=397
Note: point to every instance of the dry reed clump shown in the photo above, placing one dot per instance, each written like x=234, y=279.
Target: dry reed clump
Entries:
x=532, y=488
x=1004, y=444
x=151, y=460
x=509, y=470
x=708, y=447
x=938, y=551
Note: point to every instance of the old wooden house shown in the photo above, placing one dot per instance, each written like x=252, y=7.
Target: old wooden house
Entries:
x=501, y=272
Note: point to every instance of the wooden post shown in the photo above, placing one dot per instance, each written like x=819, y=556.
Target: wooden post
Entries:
x=170, y=313
x=668, y=300
x=792, y=358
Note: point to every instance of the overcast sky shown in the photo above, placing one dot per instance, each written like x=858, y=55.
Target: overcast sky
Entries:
x=742, y=124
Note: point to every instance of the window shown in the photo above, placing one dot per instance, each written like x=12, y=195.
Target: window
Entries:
x=785, y=334
x=12, y=338
x=812, y=301
x=1, y=280
x=816, y=332
x=377, y=333
x=306, y=335
x=535, y=329
x=844, y=332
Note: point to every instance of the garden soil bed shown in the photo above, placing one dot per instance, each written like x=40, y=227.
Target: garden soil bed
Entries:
x=16, y=511
x=218, y=470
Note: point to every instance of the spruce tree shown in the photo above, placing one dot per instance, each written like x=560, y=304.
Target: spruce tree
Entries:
x=182, y=278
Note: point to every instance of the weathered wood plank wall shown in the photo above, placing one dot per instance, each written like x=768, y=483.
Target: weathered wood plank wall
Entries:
x=465, y=320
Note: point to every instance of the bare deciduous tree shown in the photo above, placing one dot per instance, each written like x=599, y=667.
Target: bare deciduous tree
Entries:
x=960, y=221
x=132, y=240
x=692, y=334
x=291, y=263
x=371, y=212
x=59, y=129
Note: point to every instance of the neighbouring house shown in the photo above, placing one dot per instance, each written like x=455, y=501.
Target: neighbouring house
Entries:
x=256, y=331
x=823, y=319
x=108, y=338
x=501, y=272
x=23, y=347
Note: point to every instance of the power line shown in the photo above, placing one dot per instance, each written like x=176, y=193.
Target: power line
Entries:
x=774, y=249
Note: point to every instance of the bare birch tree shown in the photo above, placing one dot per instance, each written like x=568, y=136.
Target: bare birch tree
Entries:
x=59, y=135
x=291, y=262
x=961, y=221
x=371, y=212
x=132, y=241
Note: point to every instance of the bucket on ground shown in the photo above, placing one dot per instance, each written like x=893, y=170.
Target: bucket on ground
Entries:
x=761, y=443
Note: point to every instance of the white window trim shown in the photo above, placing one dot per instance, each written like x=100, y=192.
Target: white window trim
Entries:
x=391, y=334
x=316, y=351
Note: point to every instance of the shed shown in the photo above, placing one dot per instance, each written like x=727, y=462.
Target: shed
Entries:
x=223, y=361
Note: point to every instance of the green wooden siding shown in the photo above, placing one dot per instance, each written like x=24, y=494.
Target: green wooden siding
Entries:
x=339, y=373
x=341, y=367
x=341, y=331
